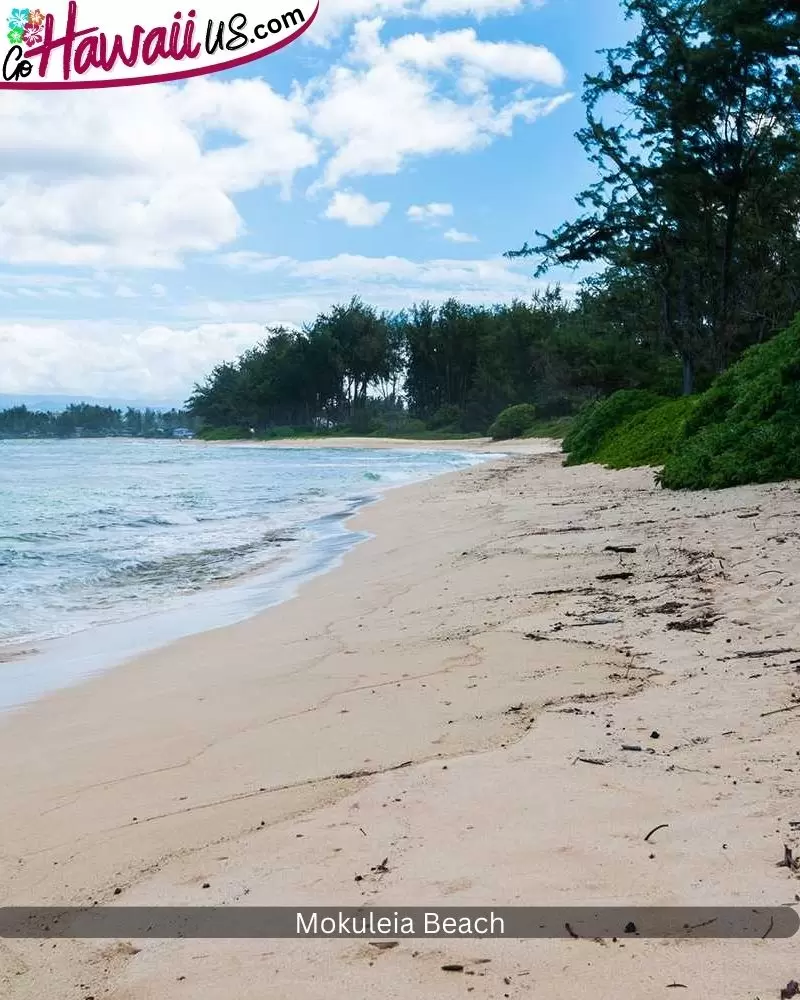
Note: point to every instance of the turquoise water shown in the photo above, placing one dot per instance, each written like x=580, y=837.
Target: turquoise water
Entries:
x=97, y=532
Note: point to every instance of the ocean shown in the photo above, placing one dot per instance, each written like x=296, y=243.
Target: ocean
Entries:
x=109, y=547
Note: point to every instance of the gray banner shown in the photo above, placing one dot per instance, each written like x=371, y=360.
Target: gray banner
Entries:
x=386, y=923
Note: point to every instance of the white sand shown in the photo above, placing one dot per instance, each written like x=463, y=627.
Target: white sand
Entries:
x=156, y=777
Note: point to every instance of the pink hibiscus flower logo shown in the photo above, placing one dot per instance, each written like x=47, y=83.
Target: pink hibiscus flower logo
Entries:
x=33, y=34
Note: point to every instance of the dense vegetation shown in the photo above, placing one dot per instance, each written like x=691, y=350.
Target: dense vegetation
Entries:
x=646, y=438
x=83, y=420
x=746, y=428
x=513, y=422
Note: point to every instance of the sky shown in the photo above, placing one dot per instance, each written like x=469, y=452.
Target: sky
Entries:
x=394, y=152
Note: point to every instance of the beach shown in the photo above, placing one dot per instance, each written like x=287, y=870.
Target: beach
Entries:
x=445, y=719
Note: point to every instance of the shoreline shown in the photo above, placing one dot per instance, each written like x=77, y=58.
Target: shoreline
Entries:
x=456, y=698
x=32, y=668
x=512, y=446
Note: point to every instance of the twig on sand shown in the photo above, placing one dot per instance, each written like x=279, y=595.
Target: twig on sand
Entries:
x=590, y=760
x=777, y=711
x=621, y=549
x=756, y=654
x=349, y=775
x=677, y=986
x=661, y=826
x=615, y=576
x=595, y=621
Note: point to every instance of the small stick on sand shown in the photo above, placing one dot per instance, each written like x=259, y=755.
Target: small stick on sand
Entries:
x=661, y=826
x=777, y=711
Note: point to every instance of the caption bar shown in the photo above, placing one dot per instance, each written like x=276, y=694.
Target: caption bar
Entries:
x=404, y=922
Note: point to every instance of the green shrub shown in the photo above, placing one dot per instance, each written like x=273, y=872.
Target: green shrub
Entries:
x=223, y=433
x=554, y=427
x=648, y=437
x=447, y=418
x=746, y=427
x=599, y=419
x=513, y=422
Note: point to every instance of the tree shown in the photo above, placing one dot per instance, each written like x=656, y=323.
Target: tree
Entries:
x=698, y=196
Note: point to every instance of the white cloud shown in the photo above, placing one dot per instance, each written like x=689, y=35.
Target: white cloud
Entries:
x=102, y=359
x=356, y=210
x=500, y=60
x=430, y=214
x=456, y=236
x=126, y=178
x=395, y=101
x=125, y=292
x=390, y=282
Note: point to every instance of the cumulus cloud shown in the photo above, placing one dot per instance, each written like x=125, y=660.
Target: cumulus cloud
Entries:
x=391, y=102
x=456, y=236
x=430, y=214
x=126, y=178
x=148, y=362
x=356, y=210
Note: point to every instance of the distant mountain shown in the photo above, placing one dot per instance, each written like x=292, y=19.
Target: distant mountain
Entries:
x=57, y=403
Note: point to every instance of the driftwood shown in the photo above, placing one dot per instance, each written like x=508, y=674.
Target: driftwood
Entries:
x=621, y=549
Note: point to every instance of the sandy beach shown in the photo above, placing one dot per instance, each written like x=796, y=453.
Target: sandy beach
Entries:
x=455, y=699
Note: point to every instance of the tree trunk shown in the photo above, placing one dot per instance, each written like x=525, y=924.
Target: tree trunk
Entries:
x=688, y=375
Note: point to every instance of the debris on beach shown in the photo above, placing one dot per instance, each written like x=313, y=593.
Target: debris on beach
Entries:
x=791, y=989
x=455, y=967
x=789, y=860
x=384, y=945
x=700, y=624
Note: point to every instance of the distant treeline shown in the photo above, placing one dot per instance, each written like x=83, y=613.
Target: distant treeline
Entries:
x=83, y=420
x=450, y=368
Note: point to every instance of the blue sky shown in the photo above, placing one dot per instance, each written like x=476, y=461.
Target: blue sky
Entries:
x=393, y=152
